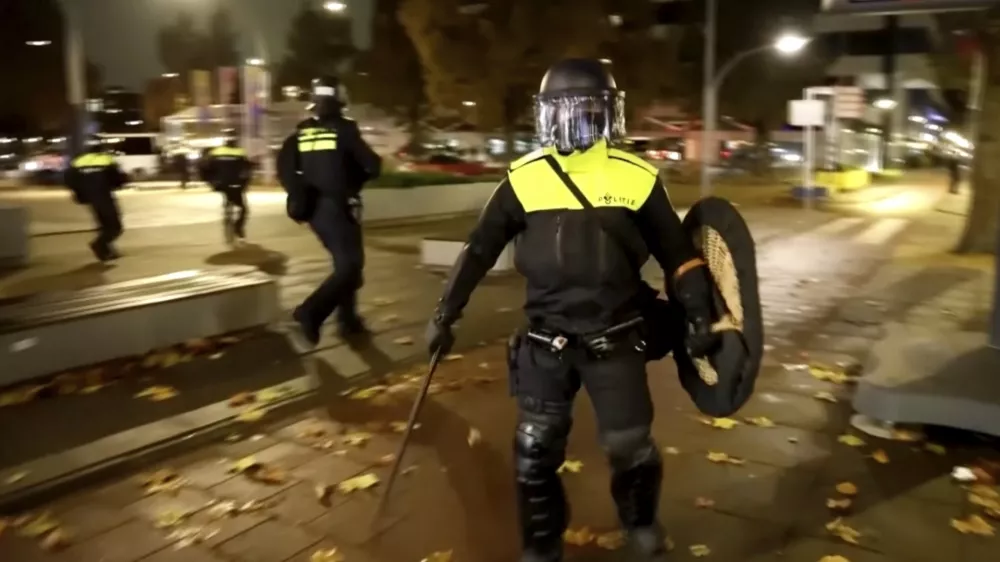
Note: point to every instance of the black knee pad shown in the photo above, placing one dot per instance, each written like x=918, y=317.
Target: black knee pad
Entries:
x=628, y=448
x=540, y=441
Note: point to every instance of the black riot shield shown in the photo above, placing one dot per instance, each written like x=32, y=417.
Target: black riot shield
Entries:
x=721, y=383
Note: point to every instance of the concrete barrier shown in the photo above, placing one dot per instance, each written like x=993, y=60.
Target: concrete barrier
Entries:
x=51, y=333
x=444, y=253
x=13, y=236
x=432, y=201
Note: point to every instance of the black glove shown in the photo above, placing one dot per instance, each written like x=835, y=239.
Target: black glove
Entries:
x=695, y=292
x=701, y=340
x=438, y=335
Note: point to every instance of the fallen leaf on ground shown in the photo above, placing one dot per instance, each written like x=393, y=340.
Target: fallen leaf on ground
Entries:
x=241, y=399
x=579, y=537
x=323, y=492
x=163, y=480
x=329, y=555
x=443, y=556
x=851, y=440
x=724, y=458
x=405, y=340
x=973, y=525
x=671, y=450
x=38, y=526
x=847, y=488
x=21, y=520
x=826, y=397
x=453, y=357
x=15, y=478
x=267, y=475
x=170, y=518
x=158, y=393
x=611, y=541
x=704, y=502
x=793, y=440
x=484, y=365
x=408, y=470
x=244, y=464
x=829, y=375
x=357, y=439
x=251, y=415
x=905, y=435
x=983, y=476
x=842, y=504
x=363, y=482
x=56, y=540
x=760, y=421
x=833, y=559
x=570, y=466
x=474, y=436
x=386, y=460
x=3, y=526
x=388, y=318
x=880, y=456
x=367, y=393
x=400, y=426
x=935, y=448
x=382, y=301
x=699, y=550
x=844, y=532
x=720, y=423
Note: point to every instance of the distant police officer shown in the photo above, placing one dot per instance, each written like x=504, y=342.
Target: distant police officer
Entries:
x=323, y=167
x=227, y=169
x=583, y=300
x=93, y=177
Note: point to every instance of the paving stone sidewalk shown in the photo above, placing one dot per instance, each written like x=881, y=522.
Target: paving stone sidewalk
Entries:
x=457, y=495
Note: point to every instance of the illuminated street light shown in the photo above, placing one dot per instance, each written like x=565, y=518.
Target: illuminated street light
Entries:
x=606, y=61
x=885, y=103
x=788, y=43
x=38, y=43
x=918, y=119
x=468, y=103
x=791, y=43
x=334, y=6
x=255, y=62
x=170, y=75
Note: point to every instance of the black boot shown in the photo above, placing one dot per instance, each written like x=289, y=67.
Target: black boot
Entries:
x=543, y=513
x=636, y=490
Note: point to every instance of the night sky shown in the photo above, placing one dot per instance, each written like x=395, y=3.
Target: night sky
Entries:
x=120, y=35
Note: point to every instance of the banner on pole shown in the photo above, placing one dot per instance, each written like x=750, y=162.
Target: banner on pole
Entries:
x=255, y=79
x=201, y=89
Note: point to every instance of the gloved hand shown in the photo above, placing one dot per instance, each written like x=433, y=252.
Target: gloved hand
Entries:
x=701, y=340
x=439, y=336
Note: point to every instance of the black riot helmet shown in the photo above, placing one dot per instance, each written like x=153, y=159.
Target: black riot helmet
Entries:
x=229, y=136
x=329, y=96
x=579, y=104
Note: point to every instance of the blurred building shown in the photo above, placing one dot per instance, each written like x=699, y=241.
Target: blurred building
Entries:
x=117, y=110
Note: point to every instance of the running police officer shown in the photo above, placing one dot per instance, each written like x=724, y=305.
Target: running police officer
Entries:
x=228, y=170
x=323, y=167
x=582, y=265
x=93, y=177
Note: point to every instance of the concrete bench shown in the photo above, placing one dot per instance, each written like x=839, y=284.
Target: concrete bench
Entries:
x=13, y=236
x=438, y=253
x=47, y=334
x=919, y=376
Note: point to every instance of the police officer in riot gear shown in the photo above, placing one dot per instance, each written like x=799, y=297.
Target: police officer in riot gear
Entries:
x=323, y=167
x=228, y=170
x=584, y=300
x=93, y=177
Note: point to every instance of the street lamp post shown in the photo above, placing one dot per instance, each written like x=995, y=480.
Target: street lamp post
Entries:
x=787, y=44
x=75, y=77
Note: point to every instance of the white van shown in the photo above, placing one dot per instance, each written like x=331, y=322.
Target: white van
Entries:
x=136, y=153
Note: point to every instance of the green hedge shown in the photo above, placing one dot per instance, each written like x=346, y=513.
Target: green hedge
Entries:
x=420, y=179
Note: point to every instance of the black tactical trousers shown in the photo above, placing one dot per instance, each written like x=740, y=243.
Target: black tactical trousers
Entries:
x=546, y=384
x=109, y=223
x=234, y=211
x=340, y=233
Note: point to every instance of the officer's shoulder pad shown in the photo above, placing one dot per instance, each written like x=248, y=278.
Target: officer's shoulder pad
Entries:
x=527, y=158
x=310, y=122
x=633, y=159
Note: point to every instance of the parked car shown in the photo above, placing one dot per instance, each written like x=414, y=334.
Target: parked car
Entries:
x=447, y=164
x=43, y=168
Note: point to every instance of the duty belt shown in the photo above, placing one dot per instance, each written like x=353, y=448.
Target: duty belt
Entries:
x=599, y=343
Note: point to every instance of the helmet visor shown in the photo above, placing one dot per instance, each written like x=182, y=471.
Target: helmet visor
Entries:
x=577, y=122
